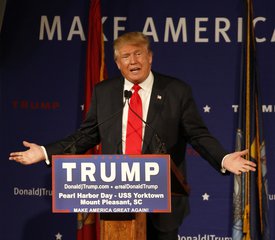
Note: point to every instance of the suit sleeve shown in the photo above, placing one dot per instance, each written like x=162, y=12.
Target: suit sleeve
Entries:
x=198, y=135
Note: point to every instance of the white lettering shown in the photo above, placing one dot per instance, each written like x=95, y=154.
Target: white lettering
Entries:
x=273, y=36
x=174, y=32
x=44, y=25
x=240, y=29
x=150, y=24
x=118, y=28
x=69, y=167
x=108, y=172
x=169, y=27
x=103, y=175
x=267, y=108
x=255, y=21
x=199, y=29
x=221, y=30
x=87, y=170
x=235, y=108
x=130, y=175
x=103, y=21
x=151, y=168
x=76, y=29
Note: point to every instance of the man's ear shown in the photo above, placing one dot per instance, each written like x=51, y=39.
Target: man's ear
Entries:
x=118, y=65
x=151, y=58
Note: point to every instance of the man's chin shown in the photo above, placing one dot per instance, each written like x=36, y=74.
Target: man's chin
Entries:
x=136, y=79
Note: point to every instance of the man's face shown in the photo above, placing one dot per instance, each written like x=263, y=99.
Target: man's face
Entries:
x=134, y=62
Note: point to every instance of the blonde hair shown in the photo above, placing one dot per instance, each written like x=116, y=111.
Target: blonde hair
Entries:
x=135, y=38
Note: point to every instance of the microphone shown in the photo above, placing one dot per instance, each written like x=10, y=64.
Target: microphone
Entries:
x=71, y=147
x=127, y=95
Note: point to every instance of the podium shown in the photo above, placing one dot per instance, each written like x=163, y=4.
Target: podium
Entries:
x=121, y=188
x=123, y=227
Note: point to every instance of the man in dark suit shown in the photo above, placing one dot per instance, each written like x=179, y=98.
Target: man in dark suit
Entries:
x=172, y=121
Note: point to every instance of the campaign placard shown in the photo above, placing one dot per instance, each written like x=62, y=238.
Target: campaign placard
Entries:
x=111, y=183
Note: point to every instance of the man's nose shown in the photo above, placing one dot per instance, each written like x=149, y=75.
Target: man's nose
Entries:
x=133, y=58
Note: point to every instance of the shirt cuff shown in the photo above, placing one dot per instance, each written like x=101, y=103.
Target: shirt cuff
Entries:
x=47, y=161
x=223, y=170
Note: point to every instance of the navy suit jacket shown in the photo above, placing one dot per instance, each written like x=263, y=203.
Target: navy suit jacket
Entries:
x=172, y=115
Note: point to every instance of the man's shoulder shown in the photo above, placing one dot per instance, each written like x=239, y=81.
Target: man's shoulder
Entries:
x=110, y=82
x=170, y=81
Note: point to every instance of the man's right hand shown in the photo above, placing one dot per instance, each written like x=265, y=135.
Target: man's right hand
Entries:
x=235, y=163
x=33, y=155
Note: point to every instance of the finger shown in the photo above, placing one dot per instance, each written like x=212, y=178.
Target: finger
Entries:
x=16, y=154
x=26, y=144
x=252, y=164
x=16, y=158
x=20, y=159
x=12, y=158
x=13, y=154
x=238, y=172
x=249, y=168
x=243, y=169
x=243, y=152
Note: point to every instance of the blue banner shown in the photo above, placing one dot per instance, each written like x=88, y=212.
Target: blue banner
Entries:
x=111, y=183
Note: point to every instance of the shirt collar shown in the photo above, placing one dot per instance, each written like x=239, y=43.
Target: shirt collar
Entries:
x=145, y=85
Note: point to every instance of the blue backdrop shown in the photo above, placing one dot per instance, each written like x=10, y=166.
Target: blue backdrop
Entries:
x=42, y=73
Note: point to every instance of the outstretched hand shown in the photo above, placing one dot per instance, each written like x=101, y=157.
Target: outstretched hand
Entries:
x=33, y=155
x=235, y=163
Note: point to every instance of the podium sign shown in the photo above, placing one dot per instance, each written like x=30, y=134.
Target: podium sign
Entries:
x=111, y=183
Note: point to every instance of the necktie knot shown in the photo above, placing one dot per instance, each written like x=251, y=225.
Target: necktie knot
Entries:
x=136, y=88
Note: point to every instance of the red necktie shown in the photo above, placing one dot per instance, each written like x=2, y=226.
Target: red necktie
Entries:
x=134, y=124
